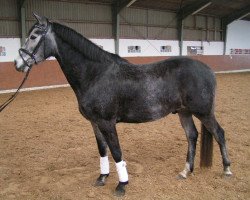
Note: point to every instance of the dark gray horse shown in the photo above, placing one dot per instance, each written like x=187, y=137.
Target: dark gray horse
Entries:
x=110, y=90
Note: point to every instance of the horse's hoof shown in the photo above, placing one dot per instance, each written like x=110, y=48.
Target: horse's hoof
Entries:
x=227, y=172
x=227, y=175
x=120, y=189
x=181, y=177
x=101, y=180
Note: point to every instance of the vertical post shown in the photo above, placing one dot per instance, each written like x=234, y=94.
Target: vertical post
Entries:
x=23, y=25
x=21, y=14
x=117, y=33
x=116, y=26
x=214, y=26
x=180, y=35
x=117, y=7
x=224, y=28
x=207, y=31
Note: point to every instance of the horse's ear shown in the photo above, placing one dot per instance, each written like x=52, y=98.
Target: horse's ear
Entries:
x=41, y=19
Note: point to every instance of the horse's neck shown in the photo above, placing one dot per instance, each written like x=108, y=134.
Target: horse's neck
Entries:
x=77, y=67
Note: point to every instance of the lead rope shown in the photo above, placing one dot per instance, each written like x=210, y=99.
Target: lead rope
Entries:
x=6, y=103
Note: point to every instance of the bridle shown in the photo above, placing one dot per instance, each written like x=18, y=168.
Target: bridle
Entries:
x=32, y=55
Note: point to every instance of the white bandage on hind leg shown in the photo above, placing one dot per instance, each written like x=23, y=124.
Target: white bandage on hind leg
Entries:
x=104, y=165
x=122, y=171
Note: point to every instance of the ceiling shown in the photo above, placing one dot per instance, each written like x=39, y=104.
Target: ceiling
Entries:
x=218, y=8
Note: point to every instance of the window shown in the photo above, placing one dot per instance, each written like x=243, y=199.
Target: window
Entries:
x=239, y=51
x=2, y=51
x=134, y=49
x=195, y=50
x=166, y=48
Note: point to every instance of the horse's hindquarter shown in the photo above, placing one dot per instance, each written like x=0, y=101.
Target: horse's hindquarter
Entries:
x=197, y=86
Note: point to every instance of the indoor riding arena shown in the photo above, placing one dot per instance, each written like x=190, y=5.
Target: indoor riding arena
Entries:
x=48, y=149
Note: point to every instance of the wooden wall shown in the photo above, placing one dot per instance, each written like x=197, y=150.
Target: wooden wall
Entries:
x=49, y=72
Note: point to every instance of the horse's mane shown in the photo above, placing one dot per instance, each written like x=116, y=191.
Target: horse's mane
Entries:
x=83, y=45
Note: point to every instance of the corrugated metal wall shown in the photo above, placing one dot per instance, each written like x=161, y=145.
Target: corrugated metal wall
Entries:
x=155, y=24
x=95, y=21
x=148, y=24
x=206, y=28
x=9, y=25
x=91, y=20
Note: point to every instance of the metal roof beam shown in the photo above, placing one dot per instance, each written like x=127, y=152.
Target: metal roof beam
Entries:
x=238, y=14
x=21, y=13
x=21, y=3
x=125, y=3
x=193, y=8
x=116, y=27
x=117, y=7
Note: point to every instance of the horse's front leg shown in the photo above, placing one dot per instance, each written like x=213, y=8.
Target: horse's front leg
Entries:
x=108, y=130
x=104, y=161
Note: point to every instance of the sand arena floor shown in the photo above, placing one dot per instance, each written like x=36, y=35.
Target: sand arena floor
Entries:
x=48, y=150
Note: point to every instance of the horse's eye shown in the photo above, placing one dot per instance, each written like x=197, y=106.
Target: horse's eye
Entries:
x=32, y=37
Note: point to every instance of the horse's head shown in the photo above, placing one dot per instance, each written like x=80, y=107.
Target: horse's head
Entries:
x=34, y=50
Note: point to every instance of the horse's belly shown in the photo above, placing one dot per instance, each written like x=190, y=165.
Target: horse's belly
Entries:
x=141, y=114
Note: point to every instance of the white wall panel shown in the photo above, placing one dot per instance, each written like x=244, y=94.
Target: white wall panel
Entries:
x=107, y=44
x=238, y=35
x=210, y=48
x=11, y=46
x=148, y=47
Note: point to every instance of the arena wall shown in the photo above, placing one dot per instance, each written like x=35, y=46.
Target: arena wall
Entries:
x=49, y=72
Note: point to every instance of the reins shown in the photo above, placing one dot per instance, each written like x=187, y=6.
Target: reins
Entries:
x=32, y=55
x=6, y=103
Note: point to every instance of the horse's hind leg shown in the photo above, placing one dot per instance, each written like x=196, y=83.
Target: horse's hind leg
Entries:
x=104, y=162
x=213, y=127
x=108, y=130
x=192, y=135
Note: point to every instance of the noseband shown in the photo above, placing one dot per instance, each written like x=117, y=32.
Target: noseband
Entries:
x=32, y=54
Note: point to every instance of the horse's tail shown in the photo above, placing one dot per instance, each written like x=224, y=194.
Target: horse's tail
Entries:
x=206, y=154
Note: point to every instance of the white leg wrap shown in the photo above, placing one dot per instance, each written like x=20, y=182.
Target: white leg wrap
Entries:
x=122, y=171
x=186, y=170
x=104, y=165
x=227, y=171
